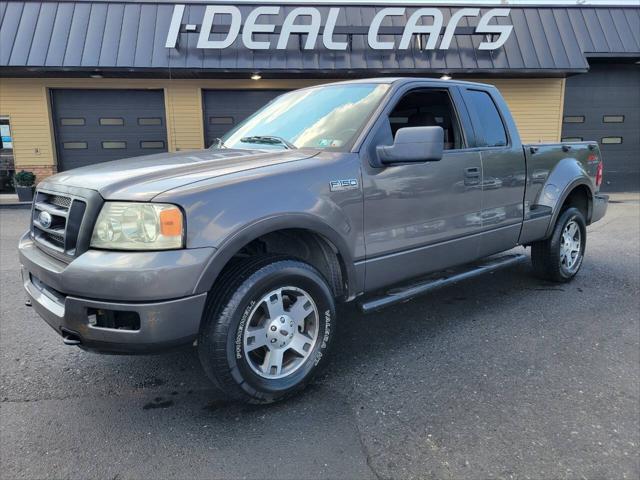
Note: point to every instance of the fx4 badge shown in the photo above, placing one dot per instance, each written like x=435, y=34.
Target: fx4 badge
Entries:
x=342, y=185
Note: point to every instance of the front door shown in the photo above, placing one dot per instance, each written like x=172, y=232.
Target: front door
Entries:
x=421, y=217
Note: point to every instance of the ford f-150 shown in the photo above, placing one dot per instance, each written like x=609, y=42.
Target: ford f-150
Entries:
x=327, y=194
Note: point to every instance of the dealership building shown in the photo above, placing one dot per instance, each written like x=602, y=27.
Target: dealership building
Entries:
x=89, y=81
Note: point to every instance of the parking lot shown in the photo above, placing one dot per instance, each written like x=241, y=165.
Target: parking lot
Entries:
x=503, y=377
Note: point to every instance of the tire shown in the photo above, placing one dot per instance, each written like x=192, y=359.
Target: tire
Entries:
x=553, y=259
x=245, y=312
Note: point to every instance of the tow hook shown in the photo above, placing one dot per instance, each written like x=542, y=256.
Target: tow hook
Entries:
x=27, y=303
x=70, y=338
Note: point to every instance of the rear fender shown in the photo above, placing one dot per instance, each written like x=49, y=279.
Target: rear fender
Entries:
x=568, y=174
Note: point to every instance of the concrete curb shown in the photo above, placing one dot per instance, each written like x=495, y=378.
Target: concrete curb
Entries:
x=23, y=205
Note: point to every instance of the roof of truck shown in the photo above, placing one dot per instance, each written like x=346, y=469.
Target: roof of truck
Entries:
x=402, y=80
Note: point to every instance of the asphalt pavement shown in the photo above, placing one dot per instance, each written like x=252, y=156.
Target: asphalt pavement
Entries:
x=502, y=377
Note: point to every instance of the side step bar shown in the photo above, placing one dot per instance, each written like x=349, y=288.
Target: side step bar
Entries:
x=406, y=293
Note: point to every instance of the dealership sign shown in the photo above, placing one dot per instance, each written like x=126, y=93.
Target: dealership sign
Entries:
x=423, y=22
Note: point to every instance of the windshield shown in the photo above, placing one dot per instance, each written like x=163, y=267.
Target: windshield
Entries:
x=319, y=117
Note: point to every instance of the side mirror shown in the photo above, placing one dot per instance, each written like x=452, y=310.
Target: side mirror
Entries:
x=414, y=144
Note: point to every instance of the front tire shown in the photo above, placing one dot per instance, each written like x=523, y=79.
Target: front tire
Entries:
x=560, y=257
x=266, y=329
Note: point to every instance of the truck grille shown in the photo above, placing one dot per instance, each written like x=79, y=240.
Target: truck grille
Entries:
x=56, y=220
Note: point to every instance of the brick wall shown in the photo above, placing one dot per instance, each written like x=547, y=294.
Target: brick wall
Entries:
x=41, y=171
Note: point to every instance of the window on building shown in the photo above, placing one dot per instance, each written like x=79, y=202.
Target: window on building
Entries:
x=492, y=132
x=572, y=139
x=220, y=120
x=74, y=145
x=574, y=119
x=428, y=108
x=152, y=144
x=109, y=145
x=72, y=122
x=148, y=121
x=610, y=140
x=613, y=119
x=7, y=168
x=111, y=122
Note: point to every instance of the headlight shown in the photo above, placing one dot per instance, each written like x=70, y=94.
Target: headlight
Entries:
x=138, y=226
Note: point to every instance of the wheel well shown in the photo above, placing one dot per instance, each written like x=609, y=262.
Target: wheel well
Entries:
x=580, y=198
x=308, y=246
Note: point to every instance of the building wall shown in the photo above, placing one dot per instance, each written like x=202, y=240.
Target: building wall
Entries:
x=536, y=105
x=25, y=102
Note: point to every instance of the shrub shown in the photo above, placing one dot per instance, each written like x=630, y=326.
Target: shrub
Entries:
x=24, y=179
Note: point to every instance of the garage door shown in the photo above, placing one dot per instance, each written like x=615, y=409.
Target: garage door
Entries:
x=223, y=109
x=602, y=105
x=95, y=126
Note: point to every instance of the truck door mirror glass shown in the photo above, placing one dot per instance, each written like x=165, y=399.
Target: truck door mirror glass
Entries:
x=413, y=144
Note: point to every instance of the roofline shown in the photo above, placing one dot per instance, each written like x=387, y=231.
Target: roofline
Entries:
x=399, y=3
x=208, y=73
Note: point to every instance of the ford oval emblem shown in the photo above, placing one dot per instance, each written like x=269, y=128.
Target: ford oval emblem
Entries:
x=45, y=219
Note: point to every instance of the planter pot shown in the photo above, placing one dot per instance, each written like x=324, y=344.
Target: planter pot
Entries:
x=25, y=194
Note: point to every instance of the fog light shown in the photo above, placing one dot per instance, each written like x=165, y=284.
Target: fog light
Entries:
x=114, y=319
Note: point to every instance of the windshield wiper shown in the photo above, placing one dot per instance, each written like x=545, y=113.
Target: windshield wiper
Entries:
x=269, y=140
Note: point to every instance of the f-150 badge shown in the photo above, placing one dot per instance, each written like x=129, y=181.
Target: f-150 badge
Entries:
x=342, y=185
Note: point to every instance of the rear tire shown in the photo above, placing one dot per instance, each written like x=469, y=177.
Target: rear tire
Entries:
x=560, y=257
x=266, y=329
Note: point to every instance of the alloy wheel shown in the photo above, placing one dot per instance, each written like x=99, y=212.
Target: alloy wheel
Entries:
x=281, y=332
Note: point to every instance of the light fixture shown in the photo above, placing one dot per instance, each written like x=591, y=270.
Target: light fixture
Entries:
x=256, y=76
x=446, y=76
x=96, y=74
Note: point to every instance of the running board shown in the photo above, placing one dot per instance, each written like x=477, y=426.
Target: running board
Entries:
x=407, y=292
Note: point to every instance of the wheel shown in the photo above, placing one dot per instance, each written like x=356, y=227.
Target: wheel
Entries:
x=267, y=330
x=559, y=257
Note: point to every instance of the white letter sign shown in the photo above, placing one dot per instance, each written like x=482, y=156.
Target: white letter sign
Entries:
x=251, y=27
x=412, y=28
x=207, y=23
x=503, y=30
x=414, y=25
x=289, y=27
x=375, y=26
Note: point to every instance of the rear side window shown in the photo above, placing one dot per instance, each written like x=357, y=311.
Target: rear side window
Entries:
x=489, y=129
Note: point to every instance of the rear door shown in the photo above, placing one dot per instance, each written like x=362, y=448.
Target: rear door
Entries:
x=224, y=109
x=94, y=126
x=504, y=173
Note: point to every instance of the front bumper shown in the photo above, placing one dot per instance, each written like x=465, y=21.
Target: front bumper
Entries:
x=67, y=295
x=600, y=204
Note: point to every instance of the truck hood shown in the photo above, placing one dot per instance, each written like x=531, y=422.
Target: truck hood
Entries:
x=142, y=178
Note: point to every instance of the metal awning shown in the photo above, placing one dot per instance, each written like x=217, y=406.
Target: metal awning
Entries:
x=38, y=36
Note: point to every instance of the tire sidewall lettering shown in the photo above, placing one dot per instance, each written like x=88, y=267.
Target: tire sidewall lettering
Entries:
x=324, y=342
x=240, y=329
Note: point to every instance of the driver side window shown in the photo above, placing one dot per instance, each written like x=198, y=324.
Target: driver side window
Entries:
x=428, y=108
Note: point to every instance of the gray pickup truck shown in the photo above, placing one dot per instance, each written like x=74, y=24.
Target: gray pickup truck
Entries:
x=327, y=194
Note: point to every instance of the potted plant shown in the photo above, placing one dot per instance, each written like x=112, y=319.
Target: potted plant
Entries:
x=24, y=182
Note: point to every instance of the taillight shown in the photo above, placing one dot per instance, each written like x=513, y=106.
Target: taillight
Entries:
x=599, y=174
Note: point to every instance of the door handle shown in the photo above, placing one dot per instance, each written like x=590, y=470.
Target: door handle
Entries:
x=472, y=177
x=533, y=149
